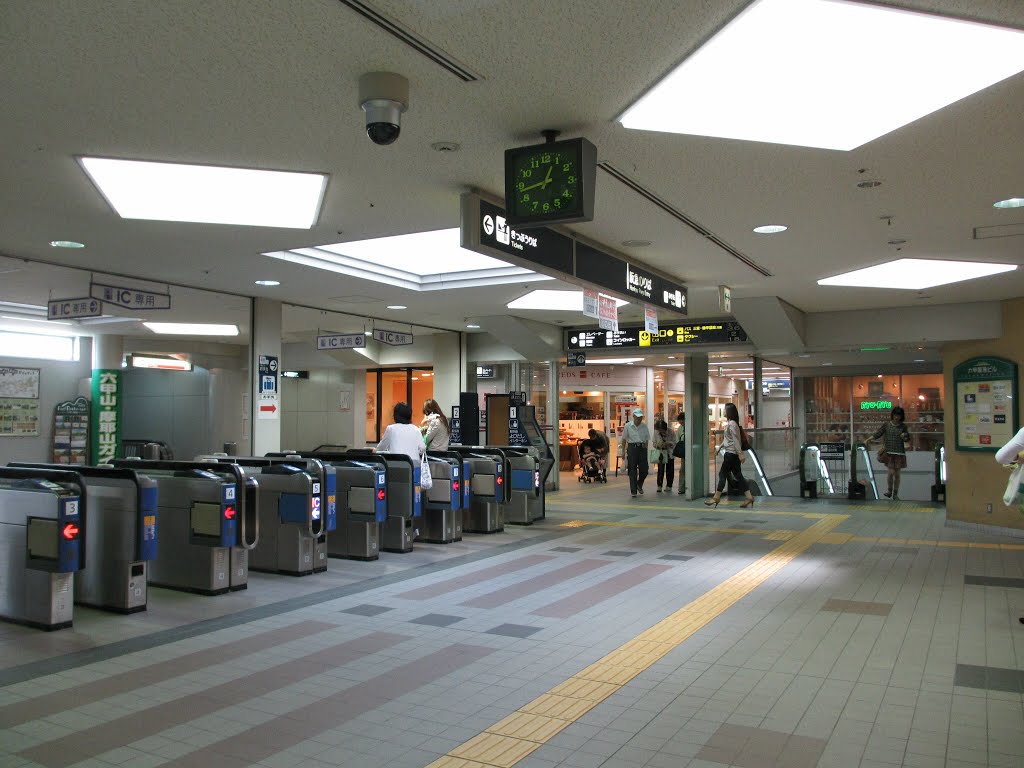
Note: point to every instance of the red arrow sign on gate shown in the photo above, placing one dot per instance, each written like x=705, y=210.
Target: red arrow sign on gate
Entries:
x=268, y=408
x=70, y=531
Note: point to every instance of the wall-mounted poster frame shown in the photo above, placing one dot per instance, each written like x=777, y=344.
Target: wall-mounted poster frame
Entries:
x=19, y=402
x=985, y=403
x=71, y=432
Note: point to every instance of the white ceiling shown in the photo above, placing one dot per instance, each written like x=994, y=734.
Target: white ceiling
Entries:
x=264, y=84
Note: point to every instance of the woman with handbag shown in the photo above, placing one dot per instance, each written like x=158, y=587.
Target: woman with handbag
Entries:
x=663, y=442
x=734, y=447
x=893, y=453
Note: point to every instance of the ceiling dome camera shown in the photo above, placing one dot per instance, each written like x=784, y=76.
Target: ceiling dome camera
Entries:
x=383, y=96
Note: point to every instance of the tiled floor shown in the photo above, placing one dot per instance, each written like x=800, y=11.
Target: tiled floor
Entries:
x=618, y=633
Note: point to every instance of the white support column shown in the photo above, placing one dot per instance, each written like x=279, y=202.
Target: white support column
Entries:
x=107, y=352
x=696, y=381
x=651, y=406
x=265, y=341
x=758, y=392
x=449, y=371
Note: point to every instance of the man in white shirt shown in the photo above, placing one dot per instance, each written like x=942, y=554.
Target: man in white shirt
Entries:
x=636, y=436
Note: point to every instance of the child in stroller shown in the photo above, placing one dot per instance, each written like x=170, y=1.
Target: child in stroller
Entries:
x=593, y=467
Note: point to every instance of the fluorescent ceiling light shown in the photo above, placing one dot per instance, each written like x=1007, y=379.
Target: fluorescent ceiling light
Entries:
x=472, y=325
x=826, y=73
x=34, y=320
x=614, y=360
x=208, y=194
x=397, y=306
x=1013, y=202
x=564, y=301
x=193, y=329
x=165, y=363
x=268, y=282
x=770, y=229
x=421, y=261
x=66, y=244
x=915, y=274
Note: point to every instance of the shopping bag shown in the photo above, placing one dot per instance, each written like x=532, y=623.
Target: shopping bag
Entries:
x=1012, y=496
x=654, y=456
x=426, y=481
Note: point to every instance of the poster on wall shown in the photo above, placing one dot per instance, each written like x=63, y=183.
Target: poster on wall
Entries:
x=71, y=432
x=105, y=444
x=985, y=403
x=19, y=402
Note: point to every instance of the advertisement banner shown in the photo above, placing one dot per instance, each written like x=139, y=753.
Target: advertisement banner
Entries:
x=607, y=313
x=650, y=319
x=107, y=394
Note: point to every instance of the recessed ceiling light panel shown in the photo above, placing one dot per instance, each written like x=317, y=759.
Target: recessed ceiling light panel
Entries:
x=562, y=301
x=826, y=73
x=66, y=244
x=770, y=229
x=397, y=306
x=268, y=282
x=915, y=274
x=1012, y=202
x=193, y=329
x=208, y=194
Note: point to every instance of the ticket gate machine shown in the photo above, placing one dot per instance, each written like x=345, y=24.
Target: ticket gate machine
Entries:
x=42, y=527
x=362, y=506
x=442, y=502
x=404, y=499
x=209, y=521
x=120, y=537
x=325, y=475
x=525, y=489
x=290, y=511
x=485, y=513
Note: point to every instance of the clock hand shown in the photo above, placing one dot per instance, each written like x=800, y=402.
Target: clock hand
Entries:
x=533, y=186
x=547, y=179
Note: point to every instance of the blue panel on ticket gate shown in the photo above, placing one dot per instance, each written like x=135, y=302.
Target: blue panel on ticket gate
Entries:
x=147, y=523
x=522, y=479
x=456, y=488
x=417, y=493
x=499, y=480
x=380, y=502
x=292, y=508
x=467, y=484
x=228, y=515
x=331, y=480
x=69, y=535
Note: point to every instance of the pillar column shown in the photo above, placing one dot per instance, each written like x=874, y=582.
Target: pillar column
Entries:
x=265, y=375
x=107, y=398
x=697, y=456
x=449, y=371
x=758, y=391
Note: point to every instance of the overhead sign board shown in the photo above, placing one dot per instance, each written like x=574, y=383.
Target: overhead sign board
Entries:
x=576, y=359
x=485, y=229
x=669, y=336
x=341, y=341
x=70, y=309
x=129, y=298
x=394, y=338
x=485, y=372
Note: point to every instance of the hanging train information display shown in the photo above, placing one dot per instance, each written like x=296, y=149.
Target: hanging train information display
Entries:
x=670, y=336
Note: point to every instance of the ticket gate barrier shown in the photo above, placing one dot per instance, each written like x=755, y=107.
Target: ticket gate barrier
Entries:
x=525, y=489
x=362, y=507
x=442, y=502
x=290, y=512
x=327, y=477
x=120, y=536
x=485, y=513
x=42, y=531
x=404, y=499
x=209, y=521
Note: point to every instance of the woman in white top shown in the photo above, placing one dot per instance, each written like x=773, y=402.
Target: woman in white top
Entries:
x=732, y=447
x=436, y=433
x=1013, y=450
x=403, y=436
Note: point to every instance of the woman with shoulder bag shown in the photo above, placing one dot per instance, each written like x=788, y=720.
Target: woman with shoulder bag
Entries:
x=734, y=444
x=664, y=442
x=893, y=454
x=436, y=432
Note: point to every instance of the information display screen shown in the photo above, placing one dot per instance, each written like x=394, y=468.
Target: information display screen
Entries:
x=675, y=335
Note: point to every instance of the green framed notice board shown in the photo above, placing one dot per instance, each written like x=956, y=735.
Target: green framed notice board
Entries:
x=985, y=403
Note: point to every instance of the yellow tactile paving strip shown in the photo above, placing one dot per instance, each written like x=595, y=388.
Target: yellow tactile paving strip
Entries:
x=510, y=740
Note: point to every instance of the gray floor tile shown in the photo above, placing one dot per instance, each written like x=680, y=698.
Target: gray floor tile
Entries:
x=437, y=620
x=566, y=549
x=678, y=558
x=994, y=581
x=368, y=609
x=513, y=630
x=618, y=553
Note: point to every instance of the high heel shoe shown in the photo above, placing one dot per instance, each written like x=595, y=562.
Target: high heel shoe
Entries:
x=712, y=502
x=748, y=503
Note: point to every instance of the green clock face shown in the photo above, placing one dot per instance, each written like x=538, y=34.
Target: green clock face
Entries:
x=546, y=182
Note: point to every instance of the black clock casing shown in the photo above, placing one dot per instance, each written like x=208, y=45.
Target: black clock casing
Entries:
x=550, y=183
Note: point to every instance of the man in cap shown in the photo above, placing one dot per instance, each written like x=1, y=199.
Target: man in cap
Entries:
x=636, y=436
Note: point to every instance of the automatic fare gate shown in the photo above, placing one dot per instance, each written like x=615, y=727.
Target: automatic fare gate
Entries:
x=291, y=514
x=404, y=499
x=525, y=486
x=42, y=517
x=327, y=478
x=209, y=518
x=487, y=491
x=442, y=502
x=120, y=537
x=362, y=506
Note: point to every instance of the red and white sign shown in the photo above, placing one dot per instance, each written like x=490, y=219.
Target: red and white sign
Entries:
x=267, y=407
x=607, y=313
x=650, y=319
x=590, y=303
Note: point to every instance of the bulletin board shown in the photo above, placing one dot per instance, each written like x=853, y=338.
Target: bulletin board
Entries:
x=19, y=402
x=985, y=403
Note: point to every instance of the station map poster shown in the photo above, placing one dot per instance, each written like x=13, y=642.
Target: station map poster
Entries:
x=19, y=402
x=986, y=403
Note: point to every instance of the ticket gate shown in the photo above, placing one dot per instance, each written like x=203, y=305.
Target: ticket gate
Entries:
x=209, y=521
x=525, y=490
x=485, y=513
x=404, y=499
x=42, y=522
x=290, y=513
x=442, y=502
x=120, y=537
x=326, y=478
x=362, y=508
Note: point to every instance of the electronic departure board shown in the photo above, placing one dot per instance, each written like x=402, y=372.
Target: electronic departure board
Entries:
x=674, y=335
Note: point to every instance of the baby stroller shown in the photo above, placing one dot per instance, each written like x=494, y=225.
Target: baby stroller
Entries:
x=592, y=464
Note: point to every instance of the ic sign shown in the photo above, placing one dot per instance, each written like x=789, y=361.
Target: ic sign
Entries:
x=394, y=338
x=129, y=298
x=69, y=309
x=341, y=341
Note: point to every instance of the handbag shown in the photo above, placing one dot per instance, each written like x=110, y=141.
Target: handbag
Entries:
x=1012, y=496
x=654, y=456
x=426, y=481
x=882, y=456
x=679, y=450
